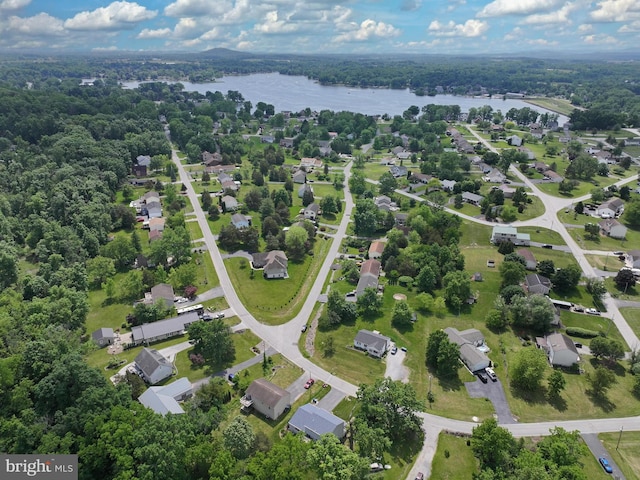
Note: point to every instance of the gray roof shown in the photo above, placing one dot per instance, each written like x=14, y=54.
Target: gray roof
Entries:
x=162, y=400
x=149, y=331
x=534, y=279
x=309, y=418
x=314, y=207
x=372, y=339
x=266, y=392
x=473, y=197
x=471, y=336
x=102, y=333
x=559, y=342
x=162, y=290
x=149, y=359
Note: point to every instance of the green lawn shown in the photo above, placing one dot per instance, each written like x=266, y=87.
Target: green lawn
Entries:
x=243, y=343
x=559, y=105
x=625, y=454
x=543, y=235
x=583, y=188
x=632, y=316
x=630, y=293
x=458, y=464
x=602, y=242
x=276, y=301
x=590, y=322
x=104, y=314
x=195, y=232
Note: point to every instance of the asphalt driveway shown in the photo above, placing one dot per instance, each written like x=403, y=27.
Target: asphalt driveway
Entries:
x=495, y=393
x=598, y=450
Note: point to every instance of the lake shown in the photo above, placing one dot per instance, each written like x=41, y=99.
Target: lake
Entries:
x=295, y=93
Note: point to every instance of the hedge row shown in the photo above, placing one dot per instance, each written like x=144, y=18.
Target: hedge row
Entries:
x=581, y=332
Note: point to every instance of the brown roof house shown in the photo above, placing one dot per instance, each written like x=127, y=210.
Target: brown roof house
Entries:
x=529, y=258
x=369, y=273
x=265, y=397
x=376, y=248
x=274, y=264
x=560, y=349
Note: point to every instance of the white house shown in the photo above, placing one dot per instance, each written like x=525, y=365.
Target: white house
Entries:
x=472, y=198
x=314, y=422
x=266, y=398
x=509, y=234
x=494, y=176
x=376, y=248
x=611, y=208
x=153, y=365
x=163, y=400
x=612, y=228
x=560, y=349
x=469, y=342
x=373, y=342
x=240, y=221
x=274, y=264
x=311, y=211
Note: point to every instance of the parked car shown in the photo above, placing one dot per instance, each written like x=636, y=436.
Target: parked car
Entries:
x=546, y=245
x=309, y=383
x=618, y=254
x=304, y=328
x=578, y=308
x=394, y=350
x=220, y=316
x=578, y=345
x=404, y=349
x=491, y=374
x=482, y=377
x=605, y=464
x=592, y=311
x=376, y=467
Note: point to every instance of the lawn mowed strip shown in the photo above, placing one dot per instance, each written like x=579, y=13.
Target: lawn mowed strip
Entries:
x=625, y=453
x=454, y=459
x=632, y=316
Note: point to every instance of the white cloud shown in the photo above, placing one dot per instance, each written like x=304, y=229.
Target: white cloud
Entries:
x=630, y=27
x=470, y=28
x=585, y=28
x=273, y=25
x=8, y=5
x=194, y=8
x=116, y=16
x=559, y=16
x=366, y=30
x=499, y=8
x=41, y=25
x=543, y=42
x=615, y=10
x=159, y=33
x=515, y=34
x=599, y=39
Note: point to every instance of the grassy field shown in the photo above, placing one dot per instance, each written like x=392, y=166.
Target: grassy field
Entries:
x=602, y=242
x=195, y=232
x=559, y=105
x=590, y=322
x=459, y=464
x=583, y=188
x=543, y=235
x=624, y=454
x=632, y=316
x=278, y=300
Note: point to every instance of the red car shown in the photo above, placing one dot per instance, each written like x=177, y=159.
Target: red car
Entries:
x=310, y=382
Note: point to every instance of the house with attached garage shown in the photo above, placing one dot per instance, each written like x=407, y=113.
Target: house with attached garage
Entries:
x=376, y=248
x=153, y=365
x=314, y=422
x=501, y=234
x=369, y=273
x=230, y=203
x=160, y=292
x=274, y=264
x=472, y=347
x=311, y=212
x=372, y=342
x=266, y=398
x=472, y=198
x=611, y=208
x=529, y=258
x=612, y=228
x=170, y=327
x=560, y=349
x=240, y=221
x=537, y=284
x=163, y=400
x=299, y=176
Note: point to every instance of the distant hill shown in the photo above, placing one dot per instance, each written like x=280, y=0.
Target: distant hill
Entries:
x=225, y=53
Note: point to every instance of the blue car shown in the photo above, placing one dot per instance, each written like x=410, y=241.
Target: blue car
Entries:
x=605, y=464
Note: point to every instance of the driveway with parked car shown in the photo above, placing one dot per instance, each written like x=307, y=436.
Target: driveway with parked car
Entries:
x=395, y=366
x=598, y=451
x=495, y=393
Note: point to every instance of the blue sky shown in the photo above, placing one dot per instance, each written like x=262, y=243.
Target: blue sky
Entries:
x=322, y=26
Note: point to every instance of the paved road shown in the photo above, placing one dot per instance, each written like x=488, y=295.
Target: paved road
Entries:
x=598, y=450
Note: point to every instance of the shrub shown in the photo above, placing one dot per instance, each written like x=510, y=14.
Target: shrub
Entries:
x=581, y=332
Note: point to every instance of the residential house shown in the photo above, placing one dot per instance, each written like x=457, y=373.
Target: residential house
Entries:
x=514, y=141
x=398, y=171
x=153, y=365
x=507, y=191
x=376, y=248
x=267, y=139
x=311, y=212
x=240, y=221
x=612, y=228
x=141, y=165
x=529, y=258
x=447, y=185
x=152, y=209
x=634, y=258
x=103, y=337
x=274, y=264
x=161, y=291
x=560, y=349
x=372, y=342
x=501, y=234
x=420, y=178
x=537, y=284
x=162, y=329
x=384, y=203
x=211, y=159
x=230, y=203
x=311, y=162
x=369, y=273
x=472, y=198
x=156, y=224
x=155, y=235
x=300, y=176
x=540, y=166
x=163, y=400
x=611, y=208
x=536, y=130
x=468, y=341
x=304, y=188
x=286, y=142
x=552, y=176
x=530, y=155
x=494, y=176
x=485, y=167
x=315, y=422
x=401, y=219
x=266, y=398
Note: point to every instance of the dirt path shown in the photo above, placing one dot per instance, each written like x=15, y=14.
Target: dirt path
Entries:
x=309, y=341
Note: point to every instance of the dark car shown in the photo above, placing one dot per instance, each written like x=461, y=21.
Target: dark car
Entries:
x=304, y=328
x=546, y=245
x=482, y=377
x=605, y=464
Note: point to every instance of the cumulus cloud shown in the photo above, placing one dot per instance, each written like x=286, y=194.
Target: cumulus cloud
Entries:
x=368, y=29
x=11, y=5
x=585, y=28
x=116, y=16
x=159, y=33
x=599, y=39
x=41, y=25
x=543, y=42
x=470, y=28
x=630, y=27
x=558, y=16
x=498, y=8
x=189, y=8
x=615, y=10
x=272, y=24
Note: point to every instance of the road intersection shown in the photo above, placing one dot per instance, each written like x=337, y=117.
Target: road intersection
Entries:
x=284, y=338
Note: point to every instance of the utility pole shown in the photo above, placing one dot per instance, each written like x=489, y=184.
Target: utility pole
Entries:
x=619, y=437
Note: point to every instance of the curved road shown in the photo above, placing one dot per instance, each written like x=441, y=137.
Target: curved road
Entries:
x=284, y=338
